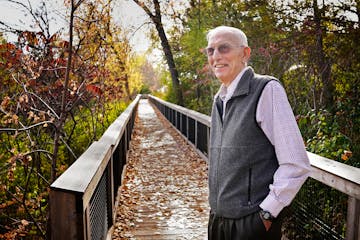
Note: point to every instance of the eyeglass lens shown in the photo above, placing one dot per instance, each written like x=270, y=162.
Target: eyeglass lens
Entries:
x=223, y=48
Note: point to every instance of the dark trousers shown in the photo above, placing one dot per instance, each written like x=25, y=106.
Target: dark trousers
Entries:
x=249, y=227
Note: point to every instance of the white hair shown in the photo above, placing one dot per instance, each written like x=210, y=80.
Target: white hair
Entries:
x=237, y=33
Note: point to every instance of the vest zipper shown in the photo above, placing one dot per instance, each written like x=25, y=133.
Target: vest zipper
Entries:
x=249, y=187
x=217, y=167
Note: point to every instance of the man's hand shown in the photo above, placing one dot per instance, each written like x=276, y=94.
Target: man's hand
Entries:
x=266, y=218
x=267, y=224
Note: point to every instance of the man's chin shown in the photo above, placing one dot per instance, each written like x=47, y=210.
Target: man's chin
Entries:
x=221, y=77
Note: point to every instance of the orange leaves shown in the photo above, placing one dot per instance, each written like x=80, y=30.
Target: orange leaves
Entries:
x=7, y=47
x=39, y=117
x=64, y=44
x=24, y=222
x=15, y=119
x=16, y=233
x=54, y=38
x=30, y=37
x=9, y=55
x=5, y=102
x=7, y=204
x=24, y=98
x=59, y=62
x=11, y=119
x=346, y=155
x=95, y=90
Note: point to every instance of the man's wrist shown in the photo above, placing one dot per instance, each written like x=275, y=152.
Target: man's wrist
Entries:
x=266, y=215
x=272, y=205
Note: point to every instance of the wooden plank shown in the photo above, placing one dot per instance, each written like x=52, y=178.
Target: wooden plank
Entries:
x=353, y=219
x=114, y=132
x=87, y=168
x=336, y=182
x=342, y=177
x=336, y=168
x=104, y=153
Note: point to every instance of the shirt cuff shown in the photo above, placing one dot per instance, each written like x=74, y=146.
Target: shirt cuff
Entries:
x=272, y=205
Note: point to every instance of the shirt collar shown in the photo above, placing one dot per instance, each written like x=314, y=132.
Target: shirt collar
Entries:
x=225, y=93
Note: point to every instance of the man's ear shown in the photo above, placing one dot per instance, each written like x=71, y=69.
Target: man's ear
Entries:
x=247, y=53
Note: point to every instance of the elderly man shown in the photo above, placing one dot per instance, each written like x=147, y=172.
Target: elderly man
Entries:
x=257, y=159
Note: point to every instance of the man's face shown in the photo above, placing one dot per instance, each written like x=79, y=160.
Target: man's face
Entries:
x=225, y=57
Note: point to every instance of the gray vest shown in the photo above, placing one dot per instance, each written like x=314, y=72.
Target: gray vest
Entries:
x=242, y=160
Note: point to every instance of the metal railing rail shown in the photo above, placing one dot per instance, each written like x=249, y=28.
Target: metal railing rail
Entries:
x=82, y=199
x=196, y=128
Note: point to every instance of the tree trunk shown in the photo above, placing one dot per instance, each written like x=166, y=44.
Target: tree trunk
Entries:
x=156, y=19
x=323, y=63
x=171, y=63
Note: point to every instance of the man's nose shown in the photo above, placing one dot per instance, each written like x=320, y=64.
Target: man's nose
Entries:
x=216, y=54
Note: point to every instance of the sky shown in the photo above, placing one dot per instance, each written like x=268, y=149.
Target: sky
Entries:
x=126, y=13
x=130, y=15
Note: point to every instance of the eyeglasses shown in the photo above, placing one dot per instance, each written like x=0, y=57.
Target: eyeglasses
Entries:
x=222, y=48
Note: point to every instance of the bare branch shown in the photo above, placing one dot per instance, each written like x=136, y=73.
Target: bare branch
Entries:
x=25, y=128
x=39, y=98
x=68, y=147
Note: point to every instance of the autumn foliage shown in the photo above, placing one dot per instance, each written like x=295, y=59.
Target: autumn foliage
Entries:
x=57, y=96
x=47, y=122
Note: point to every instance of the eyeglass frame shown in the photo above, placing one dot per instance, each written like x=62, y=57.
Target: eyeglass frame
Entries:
x=222, y=49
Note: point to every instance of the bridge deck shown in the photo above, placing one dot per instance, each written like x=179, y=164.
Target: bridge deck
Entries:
x=164, y=190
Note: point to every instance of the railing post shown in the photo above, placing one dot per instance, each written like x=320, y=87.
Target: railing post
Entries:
x=180, y=122
x=188, y=128
x=353, y=219
x=176, y=119
x=87, y=225
x=111, y=193
x=196, y=135
x=208, y=140
x=66, y=216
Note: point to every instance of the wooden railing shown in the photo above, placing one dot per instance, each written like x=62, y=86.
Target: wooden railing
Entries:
x=344, y=178
x=82, y=199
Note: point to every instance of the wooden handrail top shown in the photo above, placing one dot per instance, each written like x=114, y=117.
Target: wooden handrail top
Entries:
x=114, y=132
x=340, y=176
x=83, y=171
x=342, y=170
x=77, y=177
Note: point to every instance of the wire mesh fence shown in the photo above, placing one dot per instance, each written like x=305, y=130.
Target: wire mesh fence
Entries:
x=318, y=212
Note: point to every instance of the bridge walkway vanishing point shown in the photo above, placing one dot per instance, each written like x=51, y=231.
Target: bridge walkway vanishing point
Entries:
x=164, y=190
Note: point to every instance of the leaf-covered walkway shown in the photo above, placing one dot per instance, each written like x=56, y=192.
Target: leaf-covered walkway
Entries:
x=164, y=191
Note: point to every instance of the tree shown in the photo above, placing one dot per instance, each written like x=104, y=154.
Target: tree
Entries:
x=52, y=91
x=156, y=18
x=309, y=45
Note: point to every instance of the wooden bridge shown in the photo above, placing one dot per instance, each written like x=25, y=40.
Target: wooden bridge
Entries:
x=146, y=178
